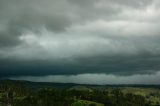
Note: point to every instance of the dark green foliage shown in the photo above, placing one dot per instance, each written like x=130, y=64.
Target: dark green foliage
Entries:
x=18, y=95
x=92, y=104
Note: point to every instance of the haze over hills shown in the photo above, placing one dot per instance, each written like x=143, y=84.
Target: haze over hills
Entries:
x=69, y=85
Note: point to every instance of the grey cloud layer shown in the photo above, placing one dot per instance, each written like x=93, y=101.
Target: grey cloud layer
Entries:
x=40, y=37
x=100, y=79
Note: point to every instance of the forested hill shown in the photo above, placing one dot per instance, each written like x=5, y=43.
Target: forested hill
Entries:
x=68, y=85
x=26, y=93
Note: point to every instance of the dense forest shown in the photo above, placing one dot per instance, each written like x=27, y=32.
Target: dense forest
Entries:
x=18, y=93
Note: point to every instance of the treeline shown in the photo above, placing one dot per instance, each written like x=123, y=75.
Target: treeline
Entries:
x=21, y=96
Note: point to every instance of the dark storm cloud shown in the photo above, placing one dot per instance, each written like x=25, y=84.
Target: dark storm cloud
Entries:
x=117, y=65
x=54, y=37
x=19, y=15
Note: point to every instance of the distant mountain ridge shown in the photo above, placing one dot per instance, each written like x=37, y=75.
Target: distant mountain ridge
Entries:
x=69, y=85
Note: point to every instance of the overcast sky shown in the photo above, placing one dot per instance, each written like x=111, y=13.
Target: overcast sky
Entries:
x=80, y=41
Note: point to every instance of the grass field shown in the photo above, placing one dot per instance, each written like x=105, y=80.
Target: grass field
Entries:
x=86, y=103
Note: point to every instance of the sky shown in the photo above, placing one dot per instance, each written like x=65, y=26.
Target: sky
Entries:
x=80, y=41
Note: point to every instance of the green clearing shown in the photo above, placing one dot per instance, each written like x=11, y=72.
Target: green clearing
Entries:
x=151, y=94
x=86, y=103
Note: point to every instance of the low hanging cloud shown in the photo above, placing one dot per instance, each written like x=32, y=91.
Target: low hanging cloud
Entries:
x=100, y=79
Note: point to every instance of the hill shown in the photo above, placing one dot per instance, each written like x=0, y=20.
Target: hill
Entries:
x=26, y=93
